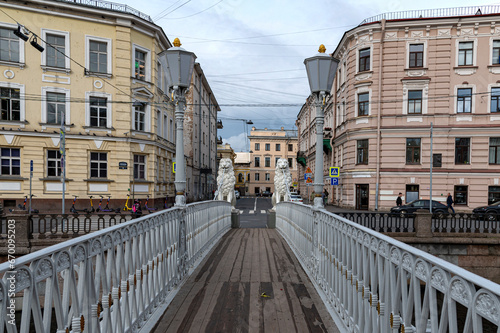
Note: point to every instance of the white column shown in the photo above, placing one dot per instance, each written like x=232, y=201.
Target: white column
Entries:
x=180, y=169
x=318, y=169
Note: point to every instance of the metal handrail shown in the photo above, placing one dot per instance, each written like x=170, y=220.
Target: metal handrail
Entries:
x=432, y=13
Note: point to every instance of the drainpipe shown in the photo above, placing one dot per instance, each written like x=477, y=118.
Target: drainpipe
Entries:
x=209, y=141
x=199, y=136
x=379, y=110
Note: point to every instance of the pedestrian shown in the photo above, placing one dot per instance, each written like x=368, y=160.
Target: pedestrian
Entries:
x=399, y=200
x=325, y=196
x=449, y=202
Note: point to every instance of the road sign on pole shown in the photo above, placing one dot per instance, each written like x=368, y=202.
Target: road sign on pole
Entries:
x=334, y=172
x=334, y=181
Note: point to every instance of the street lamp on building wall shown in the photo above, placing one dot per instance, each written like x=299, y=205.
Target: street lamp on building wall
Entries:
x=179, y=65
x=321, y=70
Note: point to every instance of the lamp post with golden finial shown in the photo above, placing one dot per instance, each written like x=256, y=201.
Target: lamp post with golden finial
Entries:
x=178, y=65
x=321, y=70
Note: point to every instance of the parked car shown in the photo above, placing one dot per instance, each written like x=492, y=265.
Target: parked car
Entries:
x=266, y=194
x=490, y=212
x=295, y=198
x=411, y=207
x=236, y=194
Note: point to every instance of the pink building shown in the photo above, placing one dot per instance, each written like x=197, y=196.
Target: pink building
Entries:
x=400, y=73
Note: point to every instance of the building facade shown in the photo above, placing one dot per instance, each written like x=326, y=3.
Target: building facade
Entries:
x=96, y=66
x=402, y=77
x=200, y=138
x=242, y=164
x=266, y=147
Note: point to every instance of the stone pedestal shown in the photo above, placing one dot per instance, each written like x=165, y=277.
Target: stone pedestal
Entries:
x=19, y=222
x=423, y=223
x=271, y=219
x=235, y=219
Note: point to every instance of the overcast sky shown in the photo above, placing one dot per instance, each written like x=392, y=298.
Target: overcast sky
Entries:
x=253, y=51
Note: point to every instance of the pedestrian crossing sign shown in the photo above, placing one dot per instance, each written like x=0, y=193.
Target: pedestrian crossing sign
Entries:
x=334, y=171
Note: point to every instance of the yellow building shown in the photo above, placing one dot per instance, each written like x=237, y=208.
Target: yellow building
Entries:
x=99, y=70
x=266, y=147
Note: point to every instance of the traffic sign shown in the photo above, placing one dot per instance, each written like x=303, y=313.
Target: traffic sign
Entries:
x=334, y=181
x=173, y=167
x=309, y=180
x=334, y=172
x=308, y=170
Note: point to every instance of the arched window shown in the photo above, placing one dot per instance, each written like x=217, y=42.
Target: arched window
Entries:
x=240, y=178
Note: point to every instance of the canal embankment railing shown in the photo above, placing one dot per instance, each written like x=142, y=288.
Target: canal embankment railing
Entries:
x=119, y=279
x=374, y=283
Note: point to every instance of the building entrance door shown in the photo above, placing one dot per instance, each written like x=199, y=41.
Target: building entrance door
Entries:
x=362, y=197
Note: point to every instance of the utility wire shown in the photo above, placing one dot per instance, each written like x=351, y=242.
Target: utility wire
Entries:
x=173, y=10
x=204, y=10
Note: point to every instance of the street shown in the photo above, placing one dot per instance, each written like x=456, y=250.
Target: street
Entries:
x=253, y=211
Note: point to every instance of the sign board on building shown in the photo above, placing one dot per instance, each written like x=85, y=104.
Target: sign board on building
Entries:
x=122, y=165
x=334, y=171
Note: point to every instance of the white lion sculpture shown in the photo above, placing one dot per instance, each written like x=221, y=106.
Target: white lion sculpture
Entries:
x=225, y=182
x=282, y=181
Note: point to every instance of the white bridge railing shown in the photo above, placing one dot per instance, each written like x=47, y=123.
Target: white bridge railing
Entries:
x=111, y=280
x=373, y=283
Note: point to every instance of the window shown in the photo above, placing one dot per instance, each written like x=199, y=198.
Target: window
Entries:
x=362, y=152
x=98, y=57
x=494, y=151
x=364, y=60
x=462, y=150
x=140, y=65
x=363, y=104
x=465, y=51
x=55, y=51
x=10, y=161
x=412, y=193
x=495, y=59
x=493, y=194
x=437, y=160
x=267, y=162
x=248, y=177
x=290, y=147
x=278, y=147
x=257, y=177
x=139, y=117
x=53, y=163
x=140, y=167
x=56, y=106
x=276, y=160
x=268, y=177
x=99, y=165
x=257, y=162
x=416, y=55
x=495, y=100
x=11, y=104
x=412, y=151
x=9, y=45
x=415, y=101
x=460, y=195
x=98, y=112
x=241, y=178
x=257, y=189
x=257, y=146
x=290, y=163
x=464, y=100
x=268, y=146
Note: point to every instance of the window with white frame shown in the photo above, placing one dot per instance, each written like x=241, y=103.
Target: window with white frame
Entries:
x=414, y=101
x=415, y=96
x=98, y=111
x=10, y=104
x=139, y=117
x=10, y=161
x=98, y=55
x=56, y=102
x=465, y=53
x=268, y=177
x=142, y=63
x=53, y=163
x=495, y=100
x=10, y=46
x=98, y=165
x=139, y=167
x=56, y=54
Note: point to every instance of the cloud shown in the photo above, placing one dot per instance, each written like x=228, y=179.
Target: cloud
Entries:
x=237, y=142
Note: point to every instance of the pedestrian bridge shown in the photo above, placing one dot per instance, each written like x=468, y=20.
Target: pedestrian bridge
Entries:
x=145, y=274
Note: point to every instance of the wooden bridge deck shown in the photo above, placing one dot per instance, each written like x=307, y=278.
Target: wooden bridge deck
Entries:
x=251, y=282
